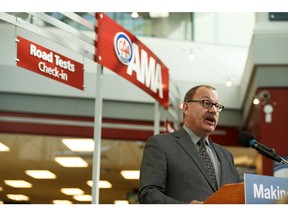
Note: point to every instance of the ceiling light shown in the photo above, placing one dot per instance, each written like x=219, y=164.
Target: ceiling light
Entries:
x=4, y=147
x=80, y=145
x=40, y=174
x=134, y=15
x=130, y=174
x=256, y=101
x=228, y=83
x=71, y=161
x=191, y=56
x=72, y=191
x=159, y=14
x=83, y=198
x=18, y=183
x=18, y=197
x=105, y=184
x=121, y=202
x=62, y=202
x=102, y=184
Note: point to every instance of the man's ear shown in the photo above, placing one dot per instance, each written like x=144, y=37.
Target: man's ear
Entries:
x=185, y=108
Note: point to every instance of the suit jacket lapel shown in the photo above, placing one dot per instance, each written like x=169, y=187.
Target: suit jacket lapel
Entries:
x=222, y=161
x=184, y=140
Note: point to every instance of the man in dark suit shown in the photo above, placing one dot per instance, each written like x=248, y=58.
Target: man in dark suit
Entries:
x=172, y=170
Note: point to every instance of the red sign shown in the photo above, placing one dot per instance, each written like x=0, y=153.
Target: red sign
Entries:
x=123, y=53
x=43, y=61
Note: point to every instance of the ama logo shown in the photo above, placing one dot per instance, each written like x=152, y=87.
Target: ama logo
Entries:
x=148, y=71
x=123, y=48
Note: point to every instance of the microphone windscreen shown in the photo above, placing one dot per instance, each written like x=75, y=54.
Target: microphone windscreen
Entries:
x=244, y=138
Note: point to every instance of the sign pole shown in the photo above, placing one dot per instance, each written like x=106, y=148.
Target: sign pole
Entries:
x=156, y=118
x=97, y=135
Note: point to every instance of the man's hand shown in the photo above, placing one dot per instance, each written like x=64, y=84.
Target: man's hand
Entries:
x=196, y=202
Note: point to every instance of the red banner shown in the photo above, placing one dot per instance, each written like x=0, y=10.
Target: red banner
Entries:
x=47, y=63
x=124, y=54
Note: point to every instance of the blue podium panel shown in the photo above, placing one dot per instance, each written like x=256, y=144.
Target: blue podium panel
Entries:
x=261, y=189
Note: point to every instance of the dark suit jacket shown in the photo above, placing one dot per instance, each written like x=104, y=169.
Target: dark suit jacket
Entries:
x=173, y=172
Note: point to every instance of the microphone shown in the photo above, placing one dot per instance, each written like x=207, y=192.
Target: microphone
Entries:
x=247, y=140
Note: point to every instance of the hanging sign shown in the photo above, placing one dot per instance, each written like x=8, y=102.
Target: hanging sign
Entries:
x=121, y=52
x=45, y=62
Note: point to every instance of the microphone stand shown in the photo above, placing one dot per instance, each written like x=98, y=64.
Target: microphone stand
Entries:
x=283, y=161
x=267, y=152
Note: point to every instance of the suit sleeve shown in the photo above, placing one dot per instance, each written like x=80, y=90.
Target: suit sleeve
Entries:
x=153, y=174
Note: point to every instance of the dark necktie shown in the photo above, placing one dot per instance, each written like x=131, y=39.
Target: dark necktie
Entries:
x=207, y=161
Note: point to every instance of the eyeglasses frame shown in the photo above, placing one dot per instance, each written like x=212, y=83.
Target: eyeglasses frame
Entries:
x=219, y=107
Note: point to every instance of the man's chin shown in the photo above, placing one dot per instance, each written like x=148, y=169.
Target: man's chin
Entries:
x=209, y=128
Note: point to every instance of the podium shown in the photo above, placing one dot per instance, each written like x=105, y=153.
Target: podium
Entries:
x=256, y=189
x=228, y=194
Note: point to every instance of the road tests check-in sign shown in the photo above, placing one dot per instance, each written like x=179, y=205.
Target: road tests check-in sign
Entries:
x=45, y=62
x=124, y=54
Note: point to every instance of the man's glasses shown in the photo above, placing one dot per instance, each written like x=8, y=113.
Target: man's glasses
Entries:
x=208, y=104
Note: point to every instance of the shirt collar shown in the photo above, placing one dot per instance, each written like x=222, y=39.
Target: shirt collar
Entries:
x=193, y=136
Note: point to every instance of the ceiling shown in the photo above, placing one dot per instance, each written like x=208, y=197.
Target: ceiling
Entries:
x=34, y=152
x=212, y=63
x=37, y=152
